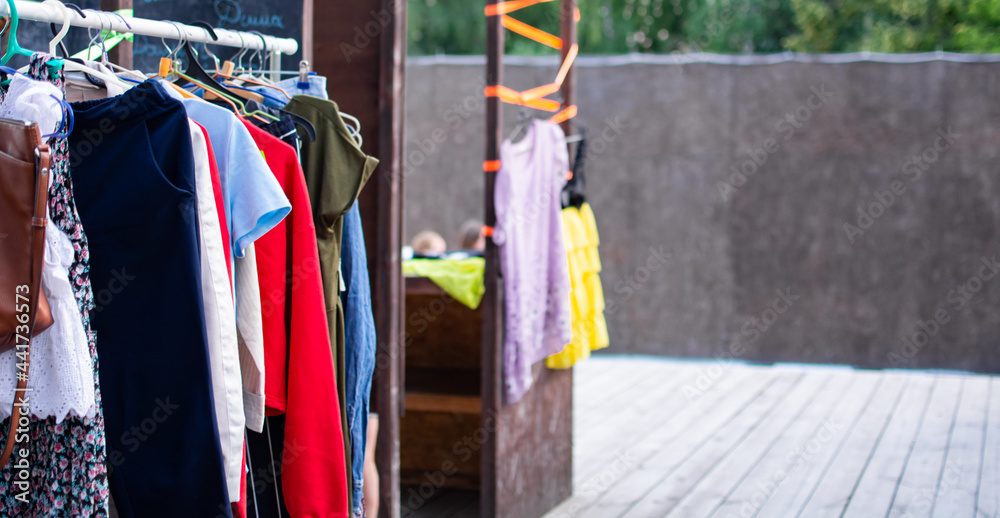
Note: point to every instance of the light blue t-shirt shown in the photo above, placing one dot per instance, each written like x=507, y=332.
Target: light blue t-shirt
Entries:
x=252, y=196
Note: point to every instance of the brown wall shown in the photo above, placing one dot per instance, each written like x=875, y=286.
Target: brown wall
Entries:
x=671, y=132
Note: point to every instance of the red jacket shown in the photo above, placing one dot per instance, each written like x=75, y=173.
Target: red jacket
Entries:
x=299, y=373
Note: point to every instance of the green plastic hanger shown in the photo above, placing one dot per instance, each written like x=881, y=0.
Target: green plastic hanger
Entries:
x=203, y=79
x=200, y=78
x=12, y=46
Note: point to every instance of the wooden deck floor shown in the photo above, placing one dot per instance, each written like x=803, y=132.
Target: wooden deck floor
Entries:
x=657, y=438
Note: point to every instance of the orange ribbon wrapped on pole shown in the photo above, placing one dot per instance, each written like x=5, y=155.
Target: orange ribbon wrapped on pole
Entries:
x=534, y=97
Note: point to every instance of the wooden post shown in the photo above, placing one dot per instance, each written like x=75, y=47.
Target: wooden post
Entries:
x=389, y=279
x=121, y=55
x=567, y=30
x=361, y=49
x=492, y=348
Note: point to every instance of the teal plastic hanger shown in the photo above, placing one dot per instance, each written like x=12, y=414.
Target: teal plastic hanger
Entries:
x=12, y=47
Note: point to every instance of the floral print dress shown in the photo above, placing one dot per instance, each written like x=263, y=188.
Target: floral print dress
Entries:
x=68, y=475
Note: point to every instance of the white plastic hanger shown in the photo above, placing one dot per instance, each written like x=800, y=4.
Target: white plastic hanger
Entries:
x=62, y=31
x=71, y=66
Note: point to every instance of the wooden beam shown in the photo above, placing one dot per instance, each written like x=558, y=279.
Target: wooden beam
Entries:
x=443, y=403
x=422, y=286
x=121, y=55
x=392, y=57
x=492, y=366
x=567, y=31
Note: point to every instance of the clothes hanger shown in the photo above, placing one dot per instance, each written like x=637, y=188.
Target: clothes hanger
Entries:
x=167, y=68
x=66, y=55
x=74, y=66
x=298, y=120
x=303, y=123
x=52, y=27
x=231, y=68
x=199, y=77
x=354, y=130
x=200, y=74
x=256, y=53
x=303, y=72
x=90, y=79
x=211, y=34
x=257, y=96
x=70, y=66
x=245, y=93
x=581, y=133
x=104, y=55
x=262, y=81
x=260, y=55
x=58, y=37
x=13, y=49
x=67, y=109
x=524, y=120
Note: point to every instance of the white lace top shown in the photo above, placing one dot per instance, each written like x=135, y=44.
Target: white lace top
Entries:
x=61, y=375
x=30, y=100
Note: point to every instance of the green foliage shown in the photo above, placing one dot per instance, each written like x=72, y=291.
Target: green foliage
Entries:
x=723, y=26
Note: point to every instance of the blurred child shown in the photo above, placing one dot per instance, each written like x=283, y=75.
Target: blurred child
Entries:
x=472, y=237
x=429, y=243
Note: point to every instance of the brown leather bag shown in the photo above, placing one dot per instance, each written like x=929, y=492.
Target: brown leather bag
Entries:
x=24, y=311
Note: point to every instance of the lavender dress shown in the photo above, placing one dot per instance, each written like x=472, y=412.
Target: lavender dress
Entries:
x=532, y=252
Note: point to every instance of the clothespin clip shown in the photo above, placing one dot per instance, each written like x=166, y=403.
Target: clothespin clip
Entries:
x=166, y=65
x=304, y=75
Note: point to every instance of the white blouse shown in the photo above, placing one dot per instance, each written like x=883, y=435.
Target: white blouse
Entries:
x=61, y=371
x=220, y=319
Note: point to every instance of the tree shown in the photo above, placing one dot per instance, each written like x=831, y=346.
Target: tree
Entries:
x=895, y=26
x=723, y=26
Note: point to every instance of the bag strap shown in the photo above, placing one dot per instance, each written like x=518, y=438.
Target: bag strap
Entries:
x=38, y=222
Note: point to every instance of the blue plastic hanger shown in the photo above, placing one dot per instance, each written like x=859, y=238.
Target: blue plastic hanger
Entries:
x=68, y=119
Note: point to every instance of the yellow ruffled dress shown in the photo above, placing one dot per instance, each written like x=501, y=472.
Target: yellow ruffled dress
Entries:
x=590, y=331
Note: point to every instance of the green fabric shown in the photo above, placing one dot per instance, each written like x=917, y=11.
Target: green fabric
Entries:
x=335, y=169
x=460, y=278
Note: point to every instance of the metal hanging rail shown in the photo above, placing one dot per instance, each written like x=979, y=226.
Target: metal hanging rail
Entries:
x=52, y=13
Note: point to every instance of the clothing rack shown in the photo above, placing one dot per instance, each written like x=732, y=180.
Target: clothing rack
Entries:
x=103, y=20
